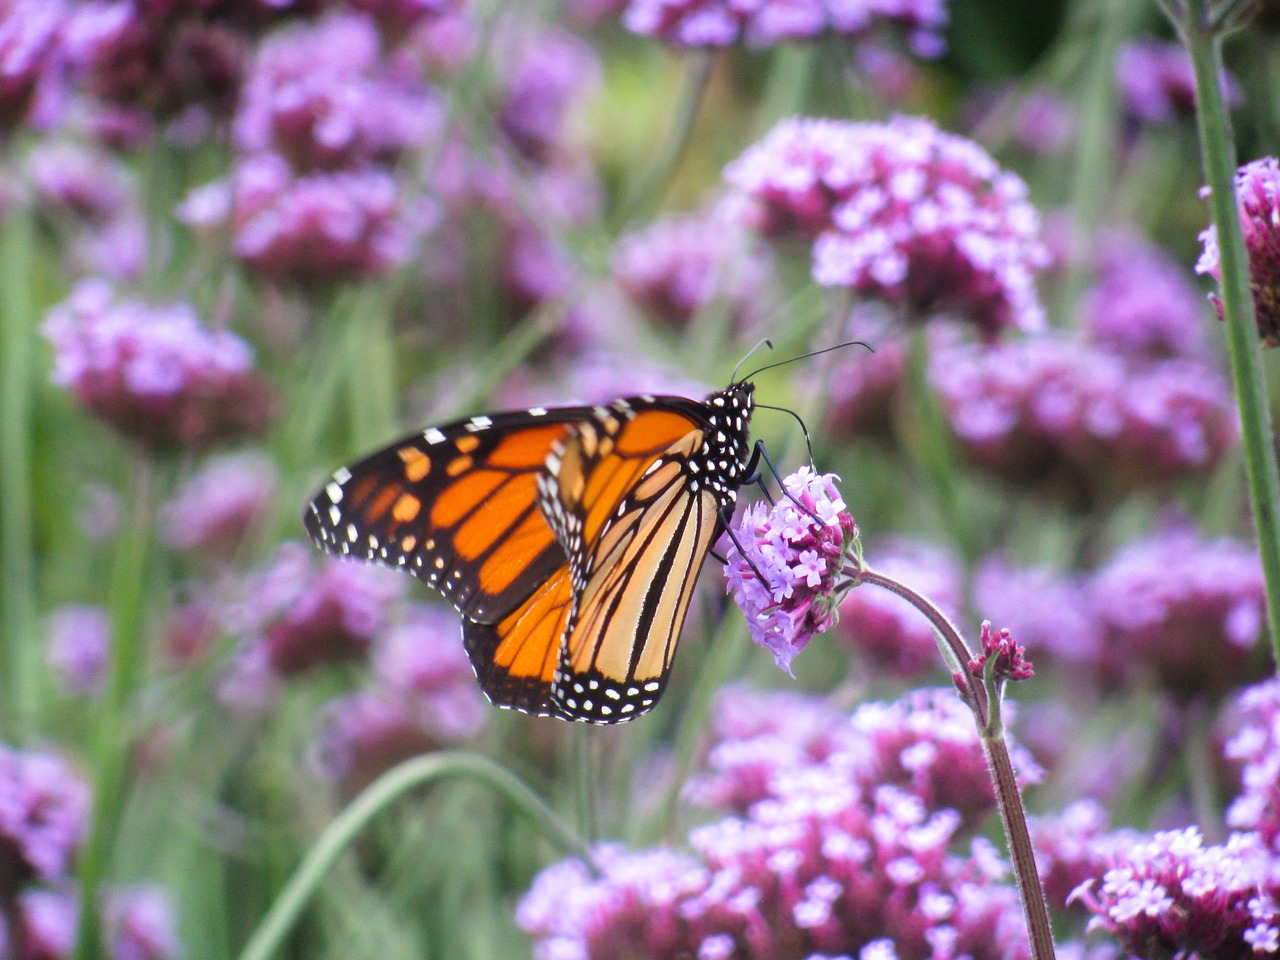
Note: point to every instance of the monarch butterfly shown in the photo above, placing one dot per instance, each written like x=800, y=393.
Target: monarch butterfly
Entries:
x=569, y=539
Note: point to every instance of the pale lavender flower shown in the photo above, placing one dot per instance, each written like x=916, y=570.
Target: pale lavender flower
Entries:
x=1254, y=744
x=1170, y=895
x=79, y=646
x=1257, y=186
x=364, y=734
x=1043, y=122
x=314, y=227
x=800, y=558
x=886, y=629
x=30, y=54
x=681, y=265
x=1158, y=84
x=324, y=96
x=1143, y=305
x=45, y=925
x=1186, y=610
x=80, y=182
x=1072, y=846
x=140, y=925
x=155, y=373
x=44, y=807
x=901, y=212
x=546, y=75
x=216, y=510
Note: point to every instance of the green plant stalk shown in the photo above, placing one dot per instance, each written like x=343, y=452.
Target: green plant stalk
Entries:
x=1219, y=158
x=17, y=535
x=370, y=367
x=372, y=801
x=113, y=741
x=584, y=761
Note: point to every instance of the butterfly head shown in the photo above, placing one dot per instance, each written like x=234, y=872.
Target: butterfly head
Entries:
x=726, y=450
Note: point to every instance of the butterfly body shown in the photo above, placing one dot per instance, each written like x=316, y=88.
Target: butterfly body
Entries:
x=569, y=539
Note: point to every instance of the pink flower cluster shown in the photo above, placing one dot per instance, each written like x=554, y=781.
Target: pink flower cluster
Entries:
x=155, y=373
x=1158, y=83
x=30, y=57
x=902, y=212
x=215, y=511
x=44, y=805
x=1254, y=744
x=763, y=23
x=787, y=574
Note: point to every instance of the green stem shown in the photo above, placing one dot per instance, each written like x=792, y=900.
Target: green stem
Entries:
x=370, y=368
x=1219, y=158
x=584, y=760
x=17, y=535
x=648, y=191
x=372, y=801
x=113, y=741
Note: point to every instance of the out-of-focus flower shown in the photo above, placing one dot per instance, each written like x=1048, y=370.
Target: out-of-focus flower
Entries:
x=1079, y=421
x=1170, y=895
x=140, y=925
x=682, y=265
x=217, y=509
x=79, y=182
x=546, y=74
x=1071, y=847
x=1258, y=197
x=901, y=212
x=323, y=96
x=190, y=631
x=1143, y=305
x=762, y=23
x=397, y=17
x=862, y=385
x=1188, y=610
x=798, y=546
x=1254, y=743
x=305, y=611
x=1158, y=84
x=44, y=807
x=79, y=645
x=887, y=629
x=155, y=373
x=1043, y=122
x=312, y=227
x=30, y=55
x=364, y=734
x=46, y=925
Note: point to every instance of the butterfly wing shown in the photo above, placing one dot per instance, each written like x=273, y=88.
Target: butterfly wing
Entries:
x=619, y=497
x=456, y=506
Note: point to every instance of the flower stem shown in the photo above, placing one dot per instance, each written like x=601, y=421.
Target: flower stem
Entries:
x=985, y=703
x=584, y=760
x=113, y=742
x=372, y=801
x=1218, y=155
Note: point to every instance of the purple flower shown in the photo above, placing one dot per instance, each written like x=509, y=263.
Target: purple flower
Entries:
x=140, y=925
x=323, y=96
x=1170, y=895
x=314, y=227
x=1073, y=846
x=364, y=734
x=1079, y=421
x=682, y=265
x=546, y=75
x=46, y=925
x=888, y=630
x=800, y=559
x=1143, y=305
x=79, y=645
x=862, y=386
x=216, y=510
x=1158, y=84
x=305, y=611
x=1257, y=186
x=762, y=23
x=901, y=212
x=1010, y=662
x=1189, y=611
x=397, y=17
x=155, y=372
x=1254, y=744
x=44, y=807
x=30, y=54
x=80, y=182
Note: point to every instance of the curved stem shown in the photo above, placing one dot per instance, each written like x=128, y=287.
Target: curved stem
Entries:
x=1218, y=155
x=372, y=801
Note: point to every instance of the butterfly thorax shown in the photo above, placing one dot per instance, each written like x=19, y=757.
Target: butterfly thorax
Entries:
x=720, y=464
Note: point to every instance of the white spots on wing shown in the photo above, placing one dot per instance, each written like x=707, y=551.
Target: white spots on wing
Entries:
x=537, y=411
x=334, y=490
x=433, y=435
x=335, y=516
x=479, y=423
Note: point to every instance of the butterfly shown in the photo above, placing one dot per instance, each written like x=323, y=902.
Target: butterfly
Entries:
x=569, y=539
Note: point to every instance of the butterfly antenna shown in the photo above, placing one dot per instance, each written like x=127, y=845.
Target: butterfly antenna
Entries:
x=804, y=429
x=805, y=356
x=764, y=342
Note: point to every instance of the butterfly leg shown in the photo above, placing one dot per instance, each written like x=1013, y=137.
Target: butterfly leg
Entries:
x=726, y=520
x=755, y=475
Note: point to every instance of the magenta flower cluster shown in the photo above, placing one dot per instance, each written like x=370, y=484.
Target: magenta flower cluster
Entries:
x=1253, y=743
x=43, y=808
x=30, y=58
x=763, y=23
x=902, y=212
x=1158, y=84
x=155, y=373
x=1258, y=197
x=219, y=508
x=785, y=568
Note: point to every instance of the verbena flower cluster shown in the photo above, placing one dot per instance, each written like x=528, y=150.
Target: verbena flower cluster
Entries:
x=827, y=864
x=155, y=373
x=785, y=565
x=1254, y=744
x=762, y=23
x=1157, y=82
x=902, y=212
x=218, y=509
x=1258, y=197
